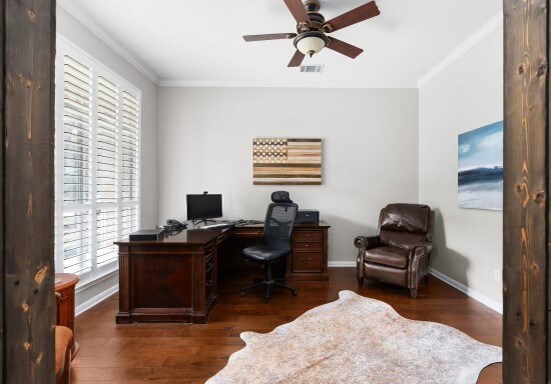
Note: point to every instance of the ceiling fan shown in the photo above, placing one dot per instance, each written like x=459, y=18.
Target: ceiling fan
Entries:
x=312, y=29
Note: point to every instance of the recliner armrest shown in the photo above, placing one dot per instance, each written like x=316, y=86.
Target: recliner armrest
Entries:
x=421, y=249
x=365, y=242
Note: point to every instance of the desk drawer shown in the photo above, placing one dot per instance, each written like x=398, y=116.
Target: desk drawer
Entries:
x=306, y=246
x=249, y=232
x=307, y=235
x=307, y=262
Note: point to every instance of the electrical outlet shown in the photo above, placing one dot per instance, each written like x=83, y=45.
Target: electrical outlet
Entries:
x=497, y=276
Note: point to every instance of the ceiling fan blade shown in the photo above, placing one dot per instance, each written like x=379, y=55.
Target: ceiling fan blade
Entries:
x=296, y=61
x=344, y=48
x=297, y=10
x=363, y=12
x=270, y=36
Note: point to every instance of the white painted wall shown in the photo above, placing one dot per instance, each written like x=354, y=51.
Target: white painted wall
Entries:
x=78, y=34
x=466, y=95
x=370, y=151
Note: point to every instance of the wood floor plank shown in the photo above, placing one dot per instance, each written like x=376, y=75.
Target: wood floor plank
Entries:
x=191, y=353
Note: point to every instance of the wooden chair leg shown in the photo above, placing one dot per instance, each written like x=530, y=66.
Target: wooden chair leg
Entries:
x=361, y=281
x=413, y=293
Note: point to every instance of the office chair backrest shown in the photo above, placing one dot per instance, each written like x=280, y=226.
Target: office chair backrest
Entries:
x=281, y=197
x=278, y=226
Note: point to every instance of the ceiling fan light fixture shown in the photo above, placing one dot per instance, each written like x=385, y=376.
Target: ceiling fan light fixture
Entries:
x=310, y=43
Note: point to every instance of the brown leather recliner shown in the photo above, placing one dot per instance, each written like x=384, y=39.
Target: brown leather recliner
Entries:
x=400, y=254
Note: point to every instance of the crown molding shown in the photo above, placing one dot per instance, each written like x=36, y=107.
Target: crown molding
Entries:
x=85, y=20
x=494, y=23
x=269, y=84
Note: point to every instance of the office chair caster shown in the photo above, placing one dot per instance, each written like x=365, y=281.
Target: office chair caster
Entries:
x=266, y=300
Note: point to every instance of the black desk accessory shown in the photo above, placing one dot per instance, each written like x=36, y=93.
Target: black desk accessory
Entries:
x=146, y=234
x=308, y=216
x=174, y=227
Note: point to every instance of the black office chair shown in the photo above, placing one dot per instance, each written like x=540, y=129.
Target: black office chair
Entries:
x=278, y=228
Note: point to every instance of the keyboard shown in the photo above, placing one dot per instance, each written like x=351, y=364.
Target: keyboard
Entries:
x=242, y=222
x=217, y=226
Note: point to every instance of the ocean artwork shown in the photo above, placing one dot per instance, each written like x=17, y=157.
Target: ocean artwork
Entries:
x=480, y=168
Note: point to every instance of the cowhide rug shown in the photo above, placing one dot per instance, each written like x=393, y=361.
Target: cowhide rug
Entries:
x=358, y=340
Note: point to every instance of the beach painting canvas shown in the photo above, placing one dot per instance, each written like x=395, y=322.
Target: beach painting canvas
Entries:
x=480, y=173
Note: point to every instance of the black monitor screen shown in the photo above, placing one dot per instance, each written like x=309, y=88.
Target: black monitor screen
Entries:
x=204, y=207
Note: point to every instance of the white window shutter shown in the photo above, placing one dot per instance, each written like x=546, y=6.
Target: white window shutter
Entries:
x=97, y=163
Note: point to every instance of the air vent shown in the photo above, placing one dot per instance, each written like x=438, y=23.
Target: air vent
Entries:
x=311, y=68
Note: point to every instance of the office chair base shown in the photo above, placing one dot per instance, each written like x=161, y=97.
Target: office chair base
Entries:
x=268, y=288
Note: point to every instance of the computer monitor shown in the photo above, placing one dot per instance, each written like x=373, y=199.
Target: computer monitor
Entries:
x=205, y=206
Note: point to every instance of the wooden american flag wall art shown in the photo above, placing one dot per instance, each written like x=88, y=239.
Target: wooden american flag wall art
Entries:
x=287, y=161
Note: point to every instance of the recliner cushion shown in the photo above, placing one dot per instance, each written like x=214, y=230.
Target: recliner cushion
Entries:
x=264, y=252
x=401, y=239
x=412, y=218
x=390, y=256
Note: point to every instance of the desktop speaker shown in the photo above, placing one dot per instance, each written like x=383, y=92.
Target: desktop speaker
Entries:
x=308, y=216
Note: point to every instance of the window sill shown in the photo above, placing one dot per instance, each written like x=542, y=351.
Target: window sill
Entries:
x=85, y=284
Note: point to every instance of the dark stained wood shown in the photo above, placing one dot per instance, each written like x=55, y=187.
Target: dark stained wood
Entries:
x=270, y=36
x=344, y=48
x=168, y=280
x=28, y=182
x=175, y=279
x=526, y=191
x=297, y=59
x=191, y=353
x=2, y=162
x=297, y=10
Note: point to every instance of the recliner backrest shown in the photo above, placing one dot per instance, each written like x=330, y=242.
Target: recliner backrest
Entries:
x=279, y=223
x=403, y=225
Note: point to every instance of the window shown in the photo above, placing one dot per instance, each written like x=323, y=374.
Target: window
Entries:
x=97, y=163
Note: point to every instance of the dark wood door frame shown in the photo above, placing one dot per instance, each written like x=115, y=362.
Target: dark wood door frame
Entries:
x=526, y=192
x=27, y=45
x=26, y=230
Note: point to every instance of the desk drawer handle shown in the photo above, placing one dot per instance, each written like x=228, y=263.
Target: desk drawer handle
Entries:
x=307, y=259
x=306, y=245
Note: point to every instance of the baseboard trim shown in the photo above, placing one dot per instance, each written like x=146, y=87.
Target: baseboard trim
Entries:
x=96, y=300
x=341, y=264
x=490, y=303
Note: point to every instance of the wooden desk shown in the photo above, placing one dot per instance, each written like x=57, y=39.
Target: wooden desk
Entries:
x=65, y=286
x=175, y=279
x=308, y=261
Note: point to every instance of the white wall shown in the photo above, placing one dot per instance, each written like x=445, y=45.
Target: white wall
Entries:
x=370, y=151
x=78, y=34
x=465, y=96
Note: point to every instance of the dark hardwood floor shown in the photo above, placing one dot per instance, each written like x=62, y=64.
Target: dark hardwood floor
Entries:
x=187, y=353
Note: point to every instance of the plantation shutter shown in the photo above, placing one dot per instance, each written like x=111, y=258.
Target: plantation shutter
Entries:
x=77, y=166
x=97, y=163
x=130, y=161
x=107, y=171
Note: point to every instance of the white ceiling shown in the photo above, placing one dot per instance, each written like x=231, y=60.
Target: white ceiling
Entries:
x=199, y=42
